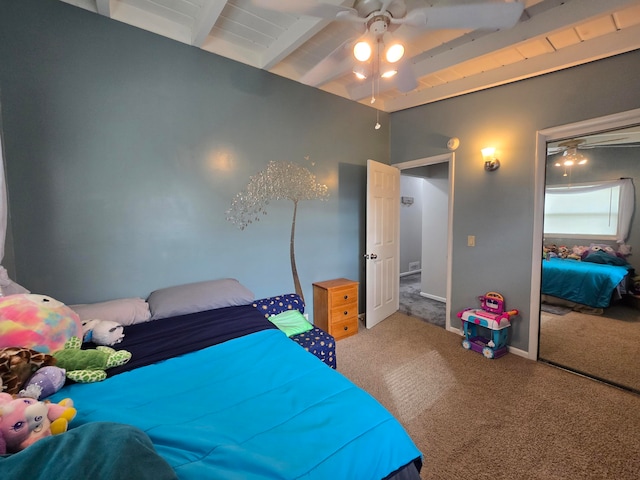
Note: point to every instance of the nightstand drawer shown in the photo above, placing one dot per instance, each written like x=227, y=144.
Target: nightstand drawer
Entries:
x=344, y=296
x=344, y=312
x=344, y=328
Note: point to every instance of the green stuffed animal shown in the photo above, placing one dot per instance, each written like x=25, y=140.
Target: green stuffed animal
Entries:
x=87, y=366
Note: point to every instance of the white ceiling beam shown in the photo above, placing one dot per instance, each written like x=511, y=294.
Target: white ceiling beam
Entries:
x=291, y=40
x=305, y=28
x=231, y=50
x=151, y=22
x=560, y=17
x=209, y=15
x=89, y=5
x=584, y=52
x=105, y=7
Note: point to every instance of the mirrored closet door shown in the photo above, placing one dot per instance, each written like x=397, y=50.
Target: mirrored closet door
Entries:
x=590, y=305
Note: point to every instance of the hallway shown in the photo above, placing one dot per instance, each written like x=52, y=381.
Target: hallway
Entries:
x=414, y=304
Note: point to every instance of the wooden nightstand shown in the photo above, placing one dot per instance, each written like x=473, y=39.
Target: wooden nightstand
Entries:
x=335, y=307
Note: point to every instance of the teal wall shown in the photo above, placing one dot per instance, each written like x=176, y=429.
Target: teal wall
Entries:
x=498, y=207
x=124, y=150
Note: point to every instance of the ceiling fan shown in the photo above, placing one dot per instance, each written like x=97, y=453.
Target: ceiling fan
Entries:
x=378, y=19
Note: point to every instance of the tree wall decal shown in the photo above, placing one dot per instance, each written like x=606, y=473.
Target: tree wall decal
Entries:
x=280, y=180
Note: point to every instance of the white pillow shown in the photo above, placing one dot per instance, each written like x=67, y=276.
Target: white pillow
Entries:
x=125, y=311
x=198, y=297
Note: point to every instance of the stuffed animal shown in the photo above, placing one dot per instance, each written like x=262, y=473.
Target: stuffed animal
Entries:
x=18, y=364
x=86, y=366
x=102, y=332
x=37, y=322
x=24, y=421
x=46, y=381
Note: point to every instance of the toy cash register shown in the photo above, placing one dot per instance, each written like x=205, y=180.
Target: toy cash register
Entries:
x=486, y=328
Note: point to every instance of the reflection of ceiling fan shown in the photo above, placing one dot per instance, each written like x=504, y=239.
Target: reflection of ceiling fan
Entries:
x=377, y=19
x=586, y=143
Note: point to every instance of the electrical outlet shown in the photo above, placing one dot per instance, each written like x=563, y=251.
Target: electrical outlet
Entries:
x=471, y=241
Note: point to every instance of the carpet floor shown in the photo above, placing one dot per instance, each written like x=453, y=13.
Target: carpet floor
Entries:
x=604, y=346
x=414, y=304
x=507, y=418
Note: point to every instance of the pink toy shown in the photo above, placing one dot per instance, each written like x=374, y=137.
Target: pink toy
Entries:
x=23, y=421
x=491, y=318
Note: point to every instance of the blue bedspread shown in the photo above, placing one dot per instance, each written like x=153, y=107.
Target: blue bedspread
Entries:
x=586, y=283
x=255, y=407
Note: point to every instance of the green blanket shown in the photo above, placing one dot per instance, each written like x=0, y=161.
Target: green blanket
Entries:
x=97, y=450
x=291, y=322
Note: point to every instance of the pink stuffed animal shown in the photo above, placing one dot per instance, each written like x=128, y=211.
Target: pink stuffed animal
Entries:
x=24, y=421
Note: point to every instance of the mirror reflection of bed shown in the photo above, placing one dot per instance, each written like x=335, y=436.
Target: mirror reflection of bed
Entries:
x=590, y=293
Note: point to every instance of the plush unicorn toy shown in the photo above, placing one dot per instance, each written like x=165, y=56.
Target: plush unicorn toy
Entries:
x=24, y=421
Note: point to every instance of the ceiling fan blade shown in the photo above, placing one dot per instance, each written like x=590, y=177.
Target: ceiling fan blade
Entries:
x=307, y=7
x=485, y=16
x=329, y=67
x=405, y=79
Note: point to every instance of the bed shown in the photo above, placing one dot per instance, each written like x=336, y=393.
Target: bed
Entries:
x=582, y=282
x=225, y=394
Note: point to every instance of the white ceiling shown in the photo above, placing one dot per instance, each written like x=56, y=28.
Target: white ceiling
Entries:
x=550, y=36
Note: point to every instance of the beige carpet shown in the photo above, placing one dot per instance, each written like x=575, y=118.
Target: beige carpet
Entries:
x=508, y=418
x=607, y=346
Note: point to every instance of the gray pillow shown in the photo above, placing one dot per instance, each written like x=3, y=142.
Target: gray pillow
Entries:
x=197, y=297
x=125, y=311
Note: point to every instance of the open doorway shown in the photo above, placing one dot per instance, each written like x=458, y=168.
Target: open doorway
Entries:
x=425, y=205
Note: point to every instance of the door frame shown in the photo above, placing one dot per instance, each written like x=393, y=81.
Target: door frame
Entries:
x=586, y=127
x=421, y=162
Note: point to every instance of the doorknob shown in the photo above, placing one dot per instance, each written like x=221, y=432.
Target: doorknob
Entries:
x=373, y=256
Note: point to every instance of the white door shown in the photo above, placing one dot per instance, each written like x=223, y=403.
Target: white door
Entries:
x=383, y=246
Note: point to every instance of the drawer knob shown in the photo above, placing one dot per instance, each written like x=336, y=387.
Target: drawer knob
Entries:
x=346, y=328
x=346, y=297
x=346, y=312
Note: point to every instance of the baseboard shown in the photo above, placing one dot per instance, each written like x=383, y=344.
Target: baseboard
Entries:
x=406, y=274
x=433, y=297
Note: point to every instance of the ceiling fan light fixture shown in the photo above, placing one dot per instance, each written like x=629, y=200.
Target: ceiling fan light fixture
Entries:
x=360, y=72
x=362, y=51
x=394, y=53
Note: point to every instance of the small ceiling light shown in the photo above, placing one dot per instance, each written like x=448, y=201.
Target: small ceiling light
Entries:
x=491, y=163
x=389, y=73
x=394, y=53
x=362, y=51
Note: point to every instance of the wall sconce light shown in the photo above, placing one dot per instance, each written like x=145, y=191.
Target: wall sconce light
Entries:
x=491, y=163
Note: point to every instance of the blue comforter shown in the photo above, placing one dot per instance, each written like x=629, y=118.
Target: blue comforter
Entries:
x=255, y=407
x=586, y=283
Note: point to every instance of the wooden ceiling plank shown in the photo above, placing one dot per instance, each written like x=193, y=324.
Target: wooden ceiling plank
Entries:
x=208, y=17
x=588, y=51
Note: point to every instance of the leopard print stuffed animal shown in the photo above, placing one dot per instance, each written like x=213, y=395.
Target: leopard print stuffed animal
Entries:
x=18, y=364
